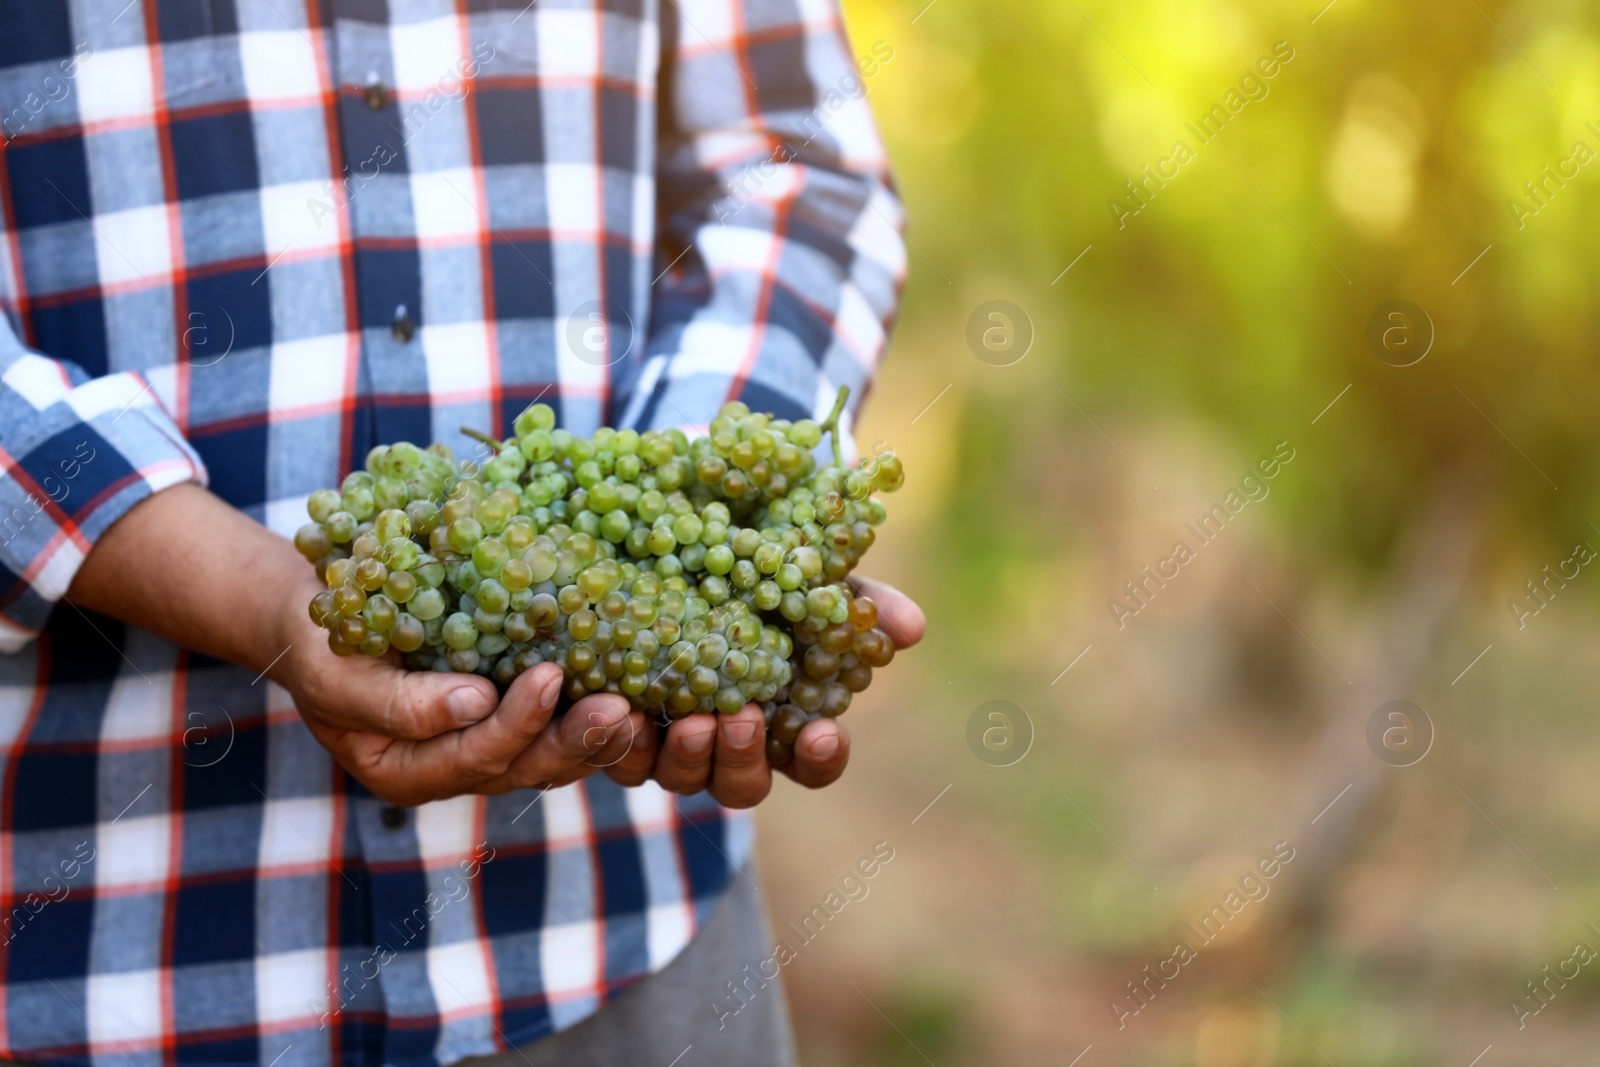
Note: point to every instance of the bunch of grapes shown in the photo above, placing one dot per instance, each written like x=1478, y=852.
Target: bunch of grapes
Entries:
x=687, y=576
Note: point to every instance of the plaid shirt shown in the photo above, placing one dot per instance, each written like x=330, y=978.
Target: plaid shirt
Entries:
x=243, y=242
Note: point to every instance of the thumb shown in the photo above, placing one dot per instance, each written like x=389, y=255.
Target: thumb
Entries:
x=429, y=703
x=441, y=767
x=373, y=696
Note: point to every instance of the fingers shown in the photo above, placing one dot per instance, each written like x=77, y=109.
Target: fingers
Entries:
x=375, y=696
x=898, y=614
x=740, y=777
x=573, y=747
x=633, y=767
x=412, y=772
x=684, y=765
x=821, y=753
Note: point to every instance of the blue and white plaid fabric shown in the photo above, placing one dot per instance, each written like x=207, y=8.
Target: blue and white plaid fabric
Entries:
x=243, y=242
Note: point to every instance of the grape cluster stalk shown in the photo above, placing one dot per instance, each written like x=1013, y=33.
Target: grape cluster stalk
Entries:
x=687, y=576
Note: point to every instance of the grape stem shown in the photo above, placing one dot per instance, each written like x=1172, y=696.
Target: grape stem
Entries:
x=831, y=425
x=480, y=436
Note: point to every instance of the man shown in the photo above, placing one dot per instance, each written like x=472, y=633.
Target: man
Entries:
x=247, y=240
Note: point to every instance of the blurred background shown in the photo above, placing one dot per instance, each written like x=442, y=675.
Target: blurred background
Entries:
x=1379, y=260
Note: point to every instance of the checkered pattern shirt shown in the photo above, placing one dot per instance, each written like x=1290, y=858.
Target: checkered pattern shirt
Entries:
x=246, y=240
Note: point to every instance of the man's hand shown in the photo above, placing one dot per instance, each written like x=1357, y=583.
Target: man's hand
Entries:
x=188, y=567
x=727, y=753
x=415, y=736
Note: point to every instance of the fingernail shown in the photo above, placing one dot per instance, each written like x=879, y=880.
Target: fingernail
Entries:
x=468, y=704
x=699, y=744
x=739, y=734
x=551, y=690
x=824, y=747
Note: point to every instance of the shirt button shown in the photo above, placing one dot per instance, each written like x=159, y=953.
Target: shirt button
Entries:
x=377, y=96
x=403, y=328
x=393, y=817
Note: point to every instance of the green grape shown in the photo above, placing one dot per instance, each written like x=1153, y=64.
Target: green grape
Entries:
x=744, y=575
x=391, y=524
x=492, y=596
x=767, y=558
x=661, y=540
x=358, y=501
x=821, y=601
x=351, y=629
x=467, y=577
x=423, y=516
x=719, y=559
x=516, y=575
x=380, y=613
x=465, y=533
x=400, y=586
x=518, y=629
x=408, y=633
x=312, y=541
x=341, y=527
x=493, y=513
x=616, y=524
x=349, y=600
x=535, y=417
x=542, y=562
x=711, y=650
x=518, y=534
x=745, y=542
x=735, y=665
x=489, y=555
x=567, y=567
x=593, y=583
x=340, y=572
x=429, y=571
x=701, y=681
x=321, y=505
x=536, y=446
x=323, y=612
x=581, y=624
x=543, y=611
x=687, y=529
x=400, y=554
x=460, y=632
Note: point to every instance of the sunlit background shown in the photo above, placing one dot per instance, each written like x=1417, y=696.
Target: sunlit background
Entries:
x=1238, y=310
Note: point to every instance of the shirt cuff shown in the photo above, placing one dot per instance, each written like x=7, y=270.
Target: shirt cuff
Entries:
x=71, y=469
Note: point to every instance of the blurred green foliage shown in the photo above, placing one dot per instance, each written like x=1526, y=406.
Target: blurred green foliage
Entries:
x=1380, y=163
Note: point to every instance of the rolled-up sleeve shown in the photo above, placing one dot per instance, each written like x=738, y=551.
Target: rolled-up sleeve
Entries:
x=76, y=452
x=779, y=231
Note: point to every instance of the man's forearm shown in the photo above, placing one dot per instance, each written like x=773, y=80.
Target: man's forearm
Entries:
x=187, y=566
